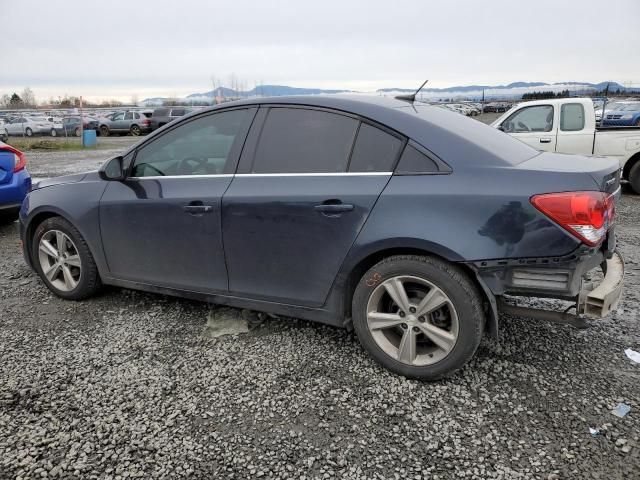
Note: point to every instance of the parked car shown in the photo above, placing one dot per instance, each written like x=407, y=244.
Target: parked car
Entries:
x=164, y=115
x=627, y=115
x=568, y=125
x=15, y=182
x=71, y=125
x=407, y=222
x=29, y=126
x=131, y=122
x=608, y=107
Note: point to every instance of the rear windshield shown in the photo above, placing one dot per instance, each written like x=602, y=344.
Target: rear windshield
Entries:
x=499, y=144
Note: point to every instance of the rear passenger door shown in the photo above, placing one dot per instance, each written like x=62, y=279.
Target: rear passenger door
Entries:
x=306, y=183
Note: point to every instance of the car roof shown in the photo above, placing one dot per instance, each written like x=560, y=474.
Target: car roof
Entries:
x=454, y=138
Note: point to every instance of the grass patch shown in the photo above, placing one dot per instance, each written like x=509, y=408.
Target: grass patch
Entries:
x=26, y=144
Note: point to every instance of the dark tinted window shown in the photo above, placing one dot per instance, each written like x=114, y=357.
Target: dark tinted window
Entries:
x=413, y=161
x=128, y=116
x=199, y=147
x=374, y=151
x=177, y=112
x=295, y=140
x=160, y=112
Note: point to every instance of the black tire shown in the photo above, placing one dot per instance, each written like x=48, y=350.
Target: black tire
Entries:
x=9, y=217
x=634, y=177
x=4, y=136
x=28, y=132
x=76, y=132
x=135, y=130
x=89, y=282
x=53, y=132
x=104, y=131
x=454, y=282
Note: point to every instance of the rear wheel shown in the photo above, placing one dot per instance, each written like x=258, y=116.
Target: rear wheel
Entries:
x=135, y=130
x=104, y=131
x=54, y=133
x=418, y=316
x=63, y=260
x=634, y=177
x=4, y=136
x=76, y=132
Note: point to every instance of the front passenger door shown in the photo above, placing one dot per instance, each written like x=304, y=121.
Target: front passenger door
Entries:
x=534, y=126
x=161, y=226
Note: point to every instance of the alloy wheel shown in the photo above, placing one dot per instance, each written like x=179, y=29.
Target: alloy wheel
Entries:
x=59, y=260
x=412, y=320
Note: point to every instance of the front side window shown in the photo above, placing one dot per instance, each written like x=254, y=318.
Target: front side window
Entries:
x=297, y=140
x=571, y=117
x=199, y=147
x=530, y=119
x=374, y=150
x=117, y=116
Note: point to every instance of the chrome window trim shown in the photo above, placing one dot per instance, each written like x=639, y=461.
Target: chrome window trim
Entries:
x=245, y=175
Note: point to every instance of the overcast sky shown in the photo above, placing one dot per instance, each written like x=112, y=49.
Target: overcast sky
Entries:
x=173, y=47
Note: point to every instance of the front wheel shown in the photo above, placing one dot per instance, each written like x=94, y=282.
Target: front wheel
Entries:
x=104, y=131
x=76, y=132
x=53, y=132
x=63, y=260
x=28, y=132
x=4, y=136
x=418, y=316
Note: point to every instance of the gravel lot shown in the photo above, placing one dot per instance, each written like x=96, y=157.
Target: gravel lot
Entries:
x=132, y=385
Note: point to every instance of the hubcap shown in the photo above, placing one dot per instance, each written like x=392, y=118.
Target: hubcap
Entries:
x=412, y=320
x=59, y=260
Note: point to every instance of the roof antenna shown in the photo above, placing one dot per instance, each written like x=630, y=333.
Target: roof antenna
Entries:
x=411, y=98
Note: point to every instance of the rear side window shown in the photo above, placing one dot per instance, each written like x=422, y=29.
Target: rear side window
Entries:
x=177, y=112
x=296, y=140
x=412, y=161
x=571, y=117
x=374, y=150
x=128, y=116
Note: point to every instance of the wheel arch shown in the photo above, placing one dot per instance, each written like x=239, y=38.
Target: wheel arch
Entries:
x=356, y=268
x=40, y=216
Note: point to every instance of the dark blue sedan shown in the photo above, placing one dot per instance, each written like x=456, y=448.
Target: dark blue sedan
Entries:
x=627, y=115
x=15, y=181
x=406, y=222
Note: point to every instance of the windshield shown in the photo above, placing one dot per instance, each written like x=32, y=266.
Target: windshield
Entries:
x=39, y=119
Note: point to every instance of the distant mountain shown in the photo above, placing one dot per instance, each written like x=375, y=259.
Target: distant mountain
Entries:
x=264, y=90
x=512, y=90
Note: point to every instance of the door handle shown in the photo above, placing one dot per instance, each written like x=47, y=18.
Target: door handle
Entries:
x=197, y=209
x=333, y=207
x=545, y=140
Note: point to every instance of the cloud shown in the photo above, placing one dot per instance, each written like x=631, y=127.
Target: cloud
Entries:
x=165, y=47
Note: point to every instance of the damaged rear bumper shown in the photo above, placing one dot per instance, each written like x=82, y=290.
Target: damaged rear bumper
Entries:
x=597, y=301
x=561, y=278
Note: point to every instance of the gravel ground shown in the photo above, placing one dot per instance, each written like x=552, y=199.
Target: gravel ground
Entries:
x=130, y=385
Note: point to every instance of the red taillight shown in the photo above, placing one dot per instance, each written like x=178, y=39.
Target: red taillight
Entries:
x=20, y=160
x=146, y=122
x=587, y=215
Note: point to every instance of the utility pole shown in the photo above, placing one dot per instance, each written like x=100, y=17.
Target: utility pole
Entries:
x=81, y=122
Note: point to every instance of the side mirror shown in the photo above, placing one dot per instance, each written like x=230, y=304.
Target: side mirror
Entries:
x=501, y=128
x=112, y=170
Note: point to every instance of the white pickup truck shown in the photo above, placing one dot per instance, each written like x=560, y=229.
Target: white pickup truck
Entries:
x=568, y=125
